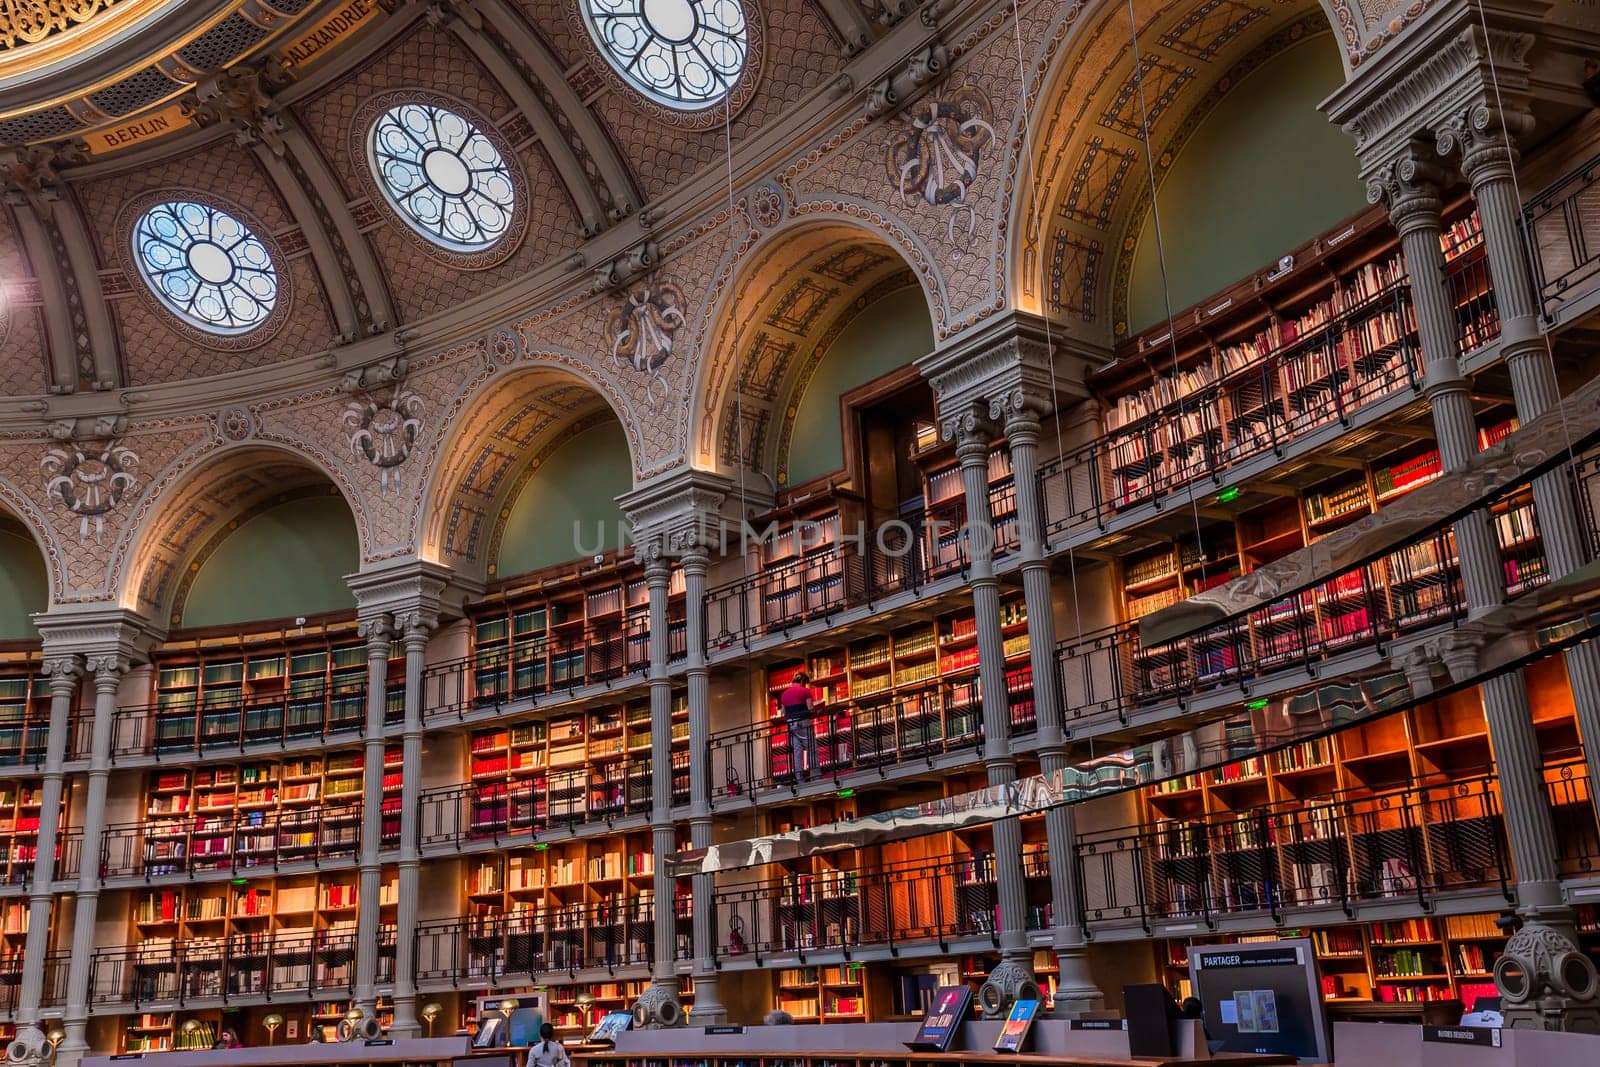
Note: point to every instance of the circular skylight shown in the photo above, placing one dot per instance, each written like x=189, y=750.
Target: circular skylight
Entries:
x=444, y=177
x=206, y=266
x=686, y=54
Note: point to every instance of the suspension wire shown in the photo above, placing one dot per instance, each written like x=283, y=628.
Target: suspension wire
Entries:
x=1166, y=293
x=741, y=450
x=1044, y=302
x=1522, y=235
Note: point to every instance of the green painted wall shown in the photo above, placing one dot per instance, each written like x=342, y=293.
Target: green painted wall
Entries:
x=1264, y=171
x=882, y=338
x=580, y=482
x=24, y=588
x=288, y=560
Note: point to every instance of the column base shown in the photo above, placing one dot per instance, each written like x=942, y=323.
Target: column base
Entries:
x=30, y=1048
x=1010, y=981
x=1077, y=995
x=658, y=1007
x=366, y=1028
x=405, y=1018
x=708, y=1007
x=1545, y=979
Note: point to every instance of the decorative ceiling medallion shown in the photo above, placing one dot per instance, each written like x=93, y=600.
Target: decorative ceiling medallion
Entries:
x=938, y=155
x=461, y=193
x=209, y=268
x=642, y=329
x=691, y=63
x=90, y=482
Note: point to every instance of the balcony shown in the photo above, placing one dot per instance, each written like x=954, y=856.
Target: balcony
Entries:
x=566, y=801
x=242, y=844
x=163, y=973
x=1562, y=221
x=497, y=949
x=170, y=734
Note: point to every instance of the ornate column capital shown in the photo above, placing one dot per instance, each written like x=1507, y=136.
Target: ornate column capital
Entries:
x=970, y=429
x=377, y=631
x=64, y=672
x=243, y=95
x=409, y=593
x=1409, y=184
x=108, y=671
x=1485, y=139
x=685, y=512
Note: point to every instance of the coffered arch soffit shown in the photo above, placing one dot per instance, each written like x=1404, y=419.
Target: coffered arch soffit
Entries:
x=791, y=293
x=1074, y=234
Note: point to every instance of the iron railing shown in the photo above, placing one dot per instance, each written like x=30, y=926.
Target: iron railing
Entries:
x=549, y=800
x=164, y=971
x=238, y=842
x=1561, y=221
x=168, y=732
x=611, y=933
x=551, y=664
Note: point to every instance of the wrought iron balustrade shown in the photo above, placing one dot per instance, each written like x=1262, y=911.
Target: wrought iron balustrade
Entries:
x=1561, y=221
x=163, y=971
x=611, y=933
x=242, y=842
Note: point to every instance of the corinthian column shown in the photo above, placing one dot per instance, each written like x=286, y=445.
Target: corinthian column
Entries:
x=107, y=671
x=1012, y=978
x=378, y=632
x=1076, y=992
x=416, y=628
x=30, y=1044
x=658, y=1005
x=707, y=997
x=1486, y=143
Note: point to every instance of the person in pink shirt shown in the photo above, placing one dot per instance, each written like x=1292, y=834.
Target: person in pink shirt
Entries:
x=799, y=719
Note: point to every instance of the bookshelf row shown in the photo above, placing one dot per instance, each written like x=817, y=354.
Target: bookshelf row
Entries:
x=1408, y=961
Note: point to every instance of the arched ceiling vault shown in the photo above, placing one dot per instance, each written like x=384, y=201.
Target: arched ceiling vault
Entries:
x=510, y=428
x=199, y=512
x=1089, y=141
x=790, y=301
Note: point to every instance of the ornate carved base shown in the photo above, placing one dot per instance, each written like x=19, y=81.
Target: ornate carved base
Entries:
x=658, y=1008
x=708, y=1006
x=1546, y=981
x=30, y=1048
x=1009, y=982
x=366, y=1028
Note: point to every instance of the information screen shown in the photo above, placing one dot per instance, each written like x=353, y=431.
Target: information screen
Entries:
x=1261, y=997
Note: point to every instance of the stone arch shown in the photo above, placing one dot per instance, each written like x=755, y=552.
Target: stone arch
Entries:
x=193, y=501
x=503, y=424
x=780, y=301
x=21, y=509
x=1077, y=163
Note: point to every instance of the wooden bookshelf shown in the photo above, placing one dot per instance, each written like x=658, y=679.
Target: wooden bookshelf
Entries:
x=224, y=692
x=1277, y=355
x=19, y=828
x=571, y=767
x=24, y=711
x=557, y=630
x=260, y=813
x=901, y=694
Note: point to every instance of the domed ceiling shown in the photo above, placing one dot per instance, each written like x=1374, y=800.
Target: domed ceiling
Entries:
x=109, y=73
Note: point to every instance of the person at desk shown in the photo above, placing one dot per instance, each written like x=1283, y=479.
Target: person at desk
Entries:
x=549, y=1052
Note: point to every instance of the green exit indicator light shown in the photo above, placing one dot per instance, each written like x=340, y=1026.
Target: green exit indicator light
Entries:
x=1256, y=705
x=241, y=881
x=847, y=793
x=541, y=846
x=1228, y=495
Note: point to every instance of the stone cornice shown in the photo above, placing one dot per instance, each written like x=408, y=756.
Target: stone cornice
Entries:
x=1440, y=67
x=410, y=593
x=97, y=633
x=1009, y=355
x=684, y=510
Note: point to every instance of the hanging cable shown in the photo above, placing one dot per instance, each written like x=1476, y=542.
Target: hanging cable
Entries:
x=1044, y=303
x=1166, y=293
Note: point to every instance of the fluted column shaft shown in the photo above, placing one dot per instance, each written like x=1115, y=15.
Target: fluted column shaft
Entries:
x=658, y=580
x=1489, y=168
x=378, y=633
x=107, y=676
x=972, y=451
x=707, y=998
x=1077, y=990
x=1415, y=211
x=405, y=978
x=64, y=675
